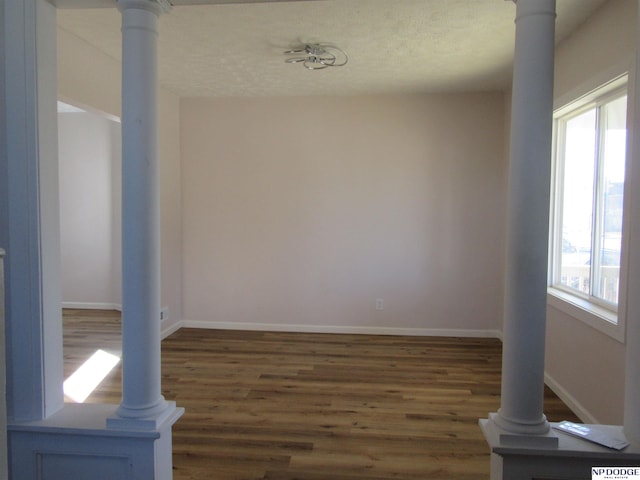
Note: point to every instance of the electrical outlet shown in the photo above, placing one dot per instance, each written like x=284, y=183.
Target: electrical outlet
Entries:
x=379, y=304
x=164, y=314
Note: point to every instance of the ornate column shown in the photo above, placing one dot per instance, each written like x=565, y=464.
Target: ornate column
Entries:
x=520, y=414
x=141, y=397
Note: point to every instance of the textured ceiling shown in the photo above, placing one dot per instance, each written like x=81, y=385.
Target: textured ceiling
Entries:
x=393, y=45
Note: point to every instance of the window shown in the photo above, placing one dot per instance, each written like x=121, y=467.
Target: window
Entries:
x=586, y=234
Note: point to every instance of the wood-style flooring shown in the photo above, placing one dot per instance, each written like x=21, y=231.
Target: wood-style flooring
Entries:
x=285, y=406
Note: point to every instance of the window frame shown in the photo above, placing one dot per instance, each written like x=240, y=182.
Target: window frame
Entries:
x=598, y=313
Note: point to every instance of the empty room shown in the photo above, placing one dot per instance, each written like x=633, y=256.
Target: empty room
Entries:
x=360, y=239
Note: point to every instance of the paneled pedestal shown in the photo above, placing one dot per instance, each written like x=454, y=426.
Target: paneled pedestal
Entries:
x=75, y=443
x=572, y=459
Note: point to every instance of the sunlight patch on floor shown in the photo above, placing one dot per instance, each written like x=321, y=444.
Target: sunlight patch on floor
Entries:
x=87, y=378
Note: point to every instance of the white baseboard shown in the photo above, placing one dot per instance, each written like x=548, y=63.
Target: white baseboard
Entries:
x=165, y=332
x=575, y=406
x=275, y=327
x=92, y=306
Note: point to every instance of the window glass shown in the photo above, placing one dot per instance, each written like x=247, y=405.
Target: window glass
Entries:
x=577, y=200
x=609, y=243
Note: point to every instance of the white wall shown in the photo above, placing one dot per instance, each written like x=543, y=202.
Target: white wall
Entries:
x=90, y=79
x=299, y=212
x=585, y=366
x=89, y=153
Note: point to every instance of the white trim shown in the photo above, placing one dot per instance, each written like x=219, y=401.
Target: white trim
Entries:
x=571, y=402
x=342, y=329
x=590, y=313
x=174, y=327
x=92, y=306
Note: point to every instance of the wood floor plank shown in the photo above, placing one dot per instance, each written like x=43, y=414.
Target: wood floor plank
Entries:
x=285, y=406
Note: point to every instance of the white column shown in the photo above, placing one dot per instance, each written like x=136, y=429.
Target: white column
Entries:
x=632, y=366
x=140, y=212
x=528, y=221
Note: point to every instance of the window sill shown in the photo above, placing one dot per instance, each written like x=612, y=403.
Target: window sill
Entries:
x=596, y=316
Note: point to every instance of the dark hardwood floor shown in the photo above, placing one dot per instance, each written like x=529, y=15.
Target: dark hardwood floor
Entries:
x=285, y=406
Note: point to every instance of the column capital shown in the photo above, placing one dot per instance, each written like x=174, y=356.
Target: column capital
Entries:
x=155, y=6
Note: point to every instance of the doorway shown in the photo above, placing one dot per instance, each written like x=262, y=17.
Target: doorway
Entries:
x=89, y=163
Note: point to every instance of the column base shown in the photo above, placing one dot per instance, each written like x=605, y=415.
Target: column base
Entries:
x=537, y=436
x=152, y=420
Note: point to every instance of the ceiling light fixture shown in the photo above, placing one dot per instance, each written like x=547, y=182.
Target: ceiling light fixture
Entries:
x=316, y=56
